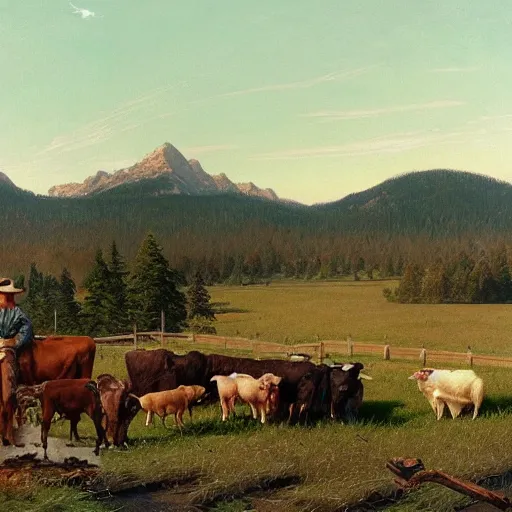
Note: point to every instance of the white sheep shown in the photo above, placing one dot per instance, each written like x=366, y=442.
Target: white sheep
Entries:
x=256, y=392
x=455, y=388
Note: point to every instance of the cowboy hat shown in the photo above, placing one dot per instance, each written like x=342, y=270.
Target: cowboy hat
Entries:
x=7, y=286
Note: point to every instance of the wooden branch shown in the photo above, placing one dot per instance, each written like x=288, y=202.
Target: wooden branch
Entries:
x=412, y=473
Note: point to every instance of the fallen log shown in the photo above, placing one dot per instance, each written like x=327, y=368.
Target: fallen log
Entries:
x=412, y=473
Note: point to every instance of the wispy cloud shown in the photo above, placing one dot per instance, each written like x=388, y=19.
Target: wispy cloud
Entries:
x=303, y=84
x=201, y=150
x=395, y=143
x=468, y=69
x=361, y=114
x=119, y=120
x=338, y=76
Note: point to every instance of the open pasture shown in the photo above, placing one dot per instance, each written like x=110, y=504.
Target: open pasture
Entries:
x=231, y=466
x=298, y=311
x=323, y=467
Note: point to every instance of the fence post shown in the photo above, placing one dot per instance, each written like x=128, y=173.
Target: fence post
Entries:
x=470, y=357
x=162, y=327
x=423, y=356
x=55, y=321
x=193, y=337
x=350, y=346
x=322, y=352
x=387, y=354
x=135, y=336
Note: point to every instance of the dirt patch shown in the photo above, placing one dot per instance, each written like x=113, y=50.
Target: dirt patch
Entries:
x=58, y=449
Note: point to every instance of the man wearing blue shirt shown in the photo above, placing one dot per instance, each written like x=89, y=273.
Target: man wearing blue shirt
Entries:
x=13, y=321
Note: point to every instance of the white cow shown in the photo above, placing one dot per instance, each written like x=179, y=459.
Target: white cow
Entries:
x=455, y=388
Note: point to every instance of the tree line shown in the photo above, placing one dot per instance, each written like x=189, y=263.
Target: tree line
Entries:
x=464, y=279
x=116, y=298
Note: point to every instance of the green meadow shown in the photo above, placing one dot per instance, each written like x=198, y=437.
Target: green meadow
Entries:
x=242, y=465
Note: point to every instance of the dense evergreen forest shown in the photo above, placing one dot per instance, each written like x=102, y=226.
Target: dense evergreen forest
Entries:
x=116, y=299
x=420, y=218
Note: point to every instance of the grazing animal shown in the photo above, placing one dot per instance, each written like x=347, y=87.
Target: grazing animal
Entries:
x=163, y=403
x=157, y=370
x=255, y=392
x=194, y=394
x=455, y=388
x=119, y=408
x=70, y=398
x=347, y=390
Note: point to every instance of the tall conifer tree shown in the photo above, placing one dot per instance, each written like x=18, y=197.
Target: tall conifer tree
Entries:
x=153, y=288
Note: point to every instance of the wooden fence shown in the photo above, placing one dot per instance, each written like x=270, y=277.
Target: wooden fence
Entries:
x=318, y=351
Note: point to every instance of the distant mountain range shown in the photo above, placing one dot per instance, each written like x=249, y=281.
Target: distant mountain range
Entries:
x=175, y=176
x=196, y=216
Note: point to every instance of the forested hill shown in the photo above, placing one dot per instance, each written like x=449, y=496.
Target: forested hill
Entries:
x=383, y=223
x=438, y=203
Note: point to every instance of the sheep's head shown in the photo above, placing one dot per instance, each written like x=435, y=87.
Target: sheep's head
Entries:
x=422, y=375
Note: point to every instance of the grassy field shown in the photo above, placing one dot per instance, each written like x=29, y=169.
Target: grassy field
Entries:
x=295, y=312
x=241, y=464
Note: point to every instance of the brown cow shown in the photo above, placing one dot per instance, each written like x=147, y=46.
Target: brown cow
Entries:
x=118, y=406
x=57, y=357
x=70, y=398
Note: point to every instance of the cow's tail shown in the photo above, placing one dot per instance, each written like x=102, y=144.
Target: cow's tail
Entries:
x=135, y=396
x=92, y=386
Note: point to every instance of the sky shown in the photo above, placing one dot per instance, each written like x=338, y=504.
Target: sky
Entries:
x=315, y=99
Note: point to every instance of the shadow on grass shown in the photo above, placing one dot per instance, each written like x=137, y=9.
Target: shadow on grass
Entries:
x=385, y=412
x=497, y=404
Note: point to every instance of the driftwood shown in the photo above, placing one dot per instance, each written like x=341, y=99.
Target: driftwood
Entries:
x=412, y=472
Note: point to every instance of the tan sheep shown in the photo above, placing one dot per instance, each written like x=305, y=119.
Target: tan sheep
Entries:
x=163, y=403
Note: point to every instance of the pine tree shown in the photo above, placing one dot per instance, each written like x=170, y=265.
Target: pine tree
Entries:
x=68, y=308
x=118, y=315
x=199, y=299
x=153, y=288
x=98, y=303
x=409, y=289
x=434, y=285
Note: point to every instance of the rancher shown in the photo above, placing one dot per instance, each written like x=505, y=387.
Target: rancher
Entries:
x=13, y=321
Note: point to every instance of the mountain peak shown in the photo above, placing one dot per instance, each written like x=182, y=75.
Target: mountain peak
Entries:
x=176, y=175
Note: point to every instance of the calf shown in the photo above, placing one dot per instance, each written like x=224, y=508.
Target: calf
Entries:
x=70, y=398
x=256, y=392
x=455, y=388
x=163, y=403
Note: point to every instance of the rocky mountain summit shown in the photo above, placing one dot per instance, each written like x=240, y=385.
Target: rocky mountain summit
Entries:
x=182, y=176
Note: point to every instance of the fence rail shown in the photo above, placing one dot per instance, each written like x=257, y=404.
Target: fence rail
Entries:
x=317, y=351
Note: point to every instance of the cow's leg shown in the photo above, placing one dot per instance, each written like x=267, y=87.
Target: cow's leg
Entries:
x=149, y=418
x=73, y=430
x=97, y=416
x=179, y=420
x=45, y=427
x=190, y=411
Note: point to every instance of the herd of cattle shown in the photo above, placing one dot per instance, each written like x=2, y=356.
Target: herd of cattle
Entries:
x=163, y=383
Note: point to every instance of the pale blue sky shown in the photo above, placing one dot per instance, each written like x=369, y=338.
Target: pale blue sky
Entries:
x=315, y=99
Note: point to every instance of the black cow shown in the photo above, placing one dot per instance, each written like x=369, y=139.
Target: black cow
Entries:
x=346, y=391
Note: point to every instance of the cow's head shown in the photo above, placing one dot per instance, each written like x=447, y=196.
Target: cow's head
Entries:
x=422, y=375
x=118, y=406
